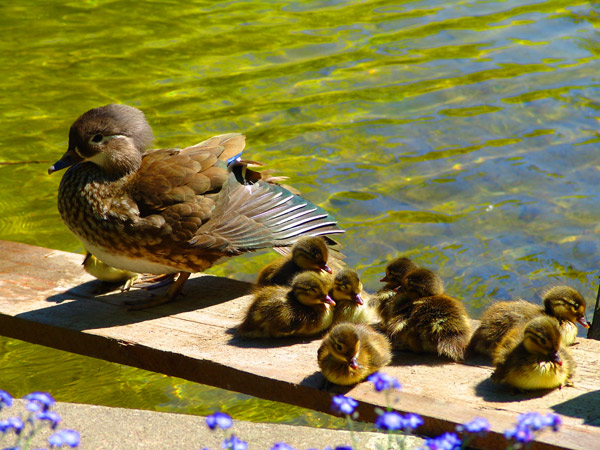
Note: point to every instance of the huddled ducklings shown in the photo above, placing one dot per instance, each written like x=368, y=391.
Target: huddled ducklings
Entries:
x=108, y=274
x=351, y=352
x=304, y=309
x=531, y=357
x=308, y=253
x=429, y=321
x=349, y=304
x=386, y=300
x=560, y=302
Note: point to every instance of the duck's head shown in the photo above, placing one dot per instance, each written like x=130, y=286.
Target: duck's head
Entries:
x=310, y=289
x=565, y=303
x=113, y=137
x=311, y=253
x=395, y=271
x=347, y=287
x=542, y=337
x=421, y=283
x=344, y=344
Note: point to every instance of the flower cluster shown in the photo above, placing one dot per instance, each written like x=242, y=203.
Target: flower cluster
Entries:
x=391, y=420
x=446, y=441
x=38, y=413
x=224, y=422
x=530, y=423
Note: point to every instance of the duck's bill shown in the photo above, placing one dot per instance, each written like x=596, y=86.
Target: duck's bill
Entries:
x=328, y=300
x=353, y=363
x=358, y=299
x=384, y=279
x=326, y=268
x=557, y=359
x=68, y=159
x=584, y=323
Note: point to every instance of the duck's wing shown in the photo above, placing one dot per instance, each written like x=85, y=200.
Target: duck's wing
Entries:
x=170, y=177
x=260, y=215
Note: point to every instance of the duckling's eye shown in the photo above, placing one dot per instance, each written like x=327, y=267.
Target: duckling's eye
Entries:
x=339, y=347
x=97, y=138
x=543, y=341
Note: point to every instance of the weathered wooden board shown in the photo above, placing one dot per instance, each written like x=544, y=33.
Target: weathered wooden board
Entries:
x=47, y=299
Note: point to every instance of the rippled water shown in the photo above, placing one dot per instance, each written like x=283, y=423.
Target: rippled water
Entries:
x=462, y=134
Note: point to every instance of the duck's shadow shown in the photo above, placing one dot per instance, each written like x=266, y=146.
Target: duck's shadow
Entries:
x=316, y=380
x=237, y=341
x=584, y=407
x=79, y=308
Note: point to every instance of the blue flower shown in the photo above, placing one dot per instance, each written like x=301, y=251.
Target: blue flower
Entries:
x=389, y=421
x=446, y=441
x=5, y=399
x=39, y=400
x=50, y=416
x=282, y=446
x=519, y=434
x=475, y=426
x=412, y=421
x=343, y=405
x=383, y=381
x=64, y=437
x=219, y=419
x=553, y=421
x=233, y=443
x=12, y=423
x=343, y=447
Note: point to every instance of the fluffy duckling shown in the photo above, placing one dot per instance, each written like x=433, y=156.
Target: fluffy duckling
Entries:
x=349, y=305
x=561, y=302
x=532, y=357
x=384, y=301
x=300, y=310
x=308, y=253
x=568, y=307
x=108, y=274
x=428, y=321
x=351, y=352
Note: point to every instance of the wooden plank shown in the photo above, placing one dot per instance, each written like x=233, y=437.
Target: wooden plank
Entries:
x=47, y=299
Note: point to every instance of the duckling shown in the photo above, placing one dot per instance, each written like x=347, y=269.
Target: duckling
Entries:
x=416, y=284
x=561, y=302
x=351, y=352
x=349, y=305
x=300, y=310
x=308, y=253
x=108, y=274
x=568, y=307
x=531, y=357
x=428, y=320
x=385, y=299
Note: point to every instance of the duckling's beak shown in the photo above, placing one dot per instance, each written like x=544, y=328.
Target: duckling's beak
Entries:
x=326, y=268
x=358, y=299
x=384, y=279
x=556, y=359
x=584, y=323
x=328, y=300
x=68, y=159
x=353, y=363
x=399, y=289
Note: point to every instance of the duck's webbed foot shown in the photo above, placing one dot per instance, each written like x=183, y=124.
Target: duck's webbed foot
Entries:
x=155, y=300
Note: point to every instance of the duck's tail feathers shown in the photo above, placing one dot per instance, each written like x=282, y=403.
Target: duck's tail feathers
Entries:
x=261, y=215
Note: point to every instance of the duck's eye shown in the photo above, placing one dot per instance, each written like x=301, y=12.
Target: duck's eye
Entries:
x=543, y=341
x=339, y=347
x=97, y=138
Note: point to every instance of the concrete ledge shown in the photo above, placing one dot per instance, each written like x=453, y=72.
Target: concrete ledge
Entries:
x=104, y=428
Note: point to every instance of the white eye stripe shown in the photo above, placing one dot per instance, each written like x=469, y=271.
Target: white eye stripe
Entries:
x=105, y=138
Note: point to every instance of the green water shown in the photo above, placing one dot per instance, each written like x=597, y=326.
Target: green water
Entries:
x=463, y=134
